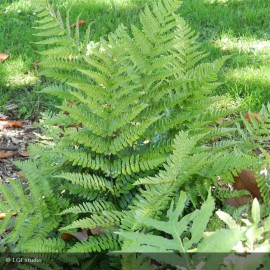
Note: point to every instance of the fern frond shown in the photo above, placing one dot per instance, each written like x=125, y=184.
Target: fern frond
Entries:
x=93, y=207
x=105, y=219
x=87, y=181
x=96, y=244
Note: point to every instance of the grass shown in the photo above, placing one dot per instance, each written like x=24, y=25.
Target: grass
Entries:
x=240, y=28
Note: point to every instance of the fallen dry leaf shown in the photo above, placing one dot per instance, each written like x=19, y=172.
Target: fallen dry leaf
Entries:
x=3, y=215
x=247, y=181
x=14, y=124
x=238, y=201
x=81, y=22
x=7, y=154
x=82, y=236
x=4, y=123
x=256, y=116
x=219, y=122
x=3, y=56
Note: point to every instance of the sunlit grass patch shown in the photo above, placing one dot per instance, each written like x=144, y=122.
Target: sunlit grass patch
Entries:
x=252, y=84
x=243, y=45
x=18, y=73
x=19, y=6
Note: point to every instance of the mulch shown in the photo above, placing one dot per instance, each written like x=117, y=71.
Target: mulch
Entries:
x=14, y=142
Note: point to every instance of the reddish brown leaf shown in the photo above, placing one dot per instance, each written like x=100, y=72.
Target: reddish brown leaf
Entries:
x=81, y=22
x=9, y=124
x=14, y=124
x=3, y=56
x=7, y=154
x=255, y=115
x=247, y=181
x=82, y=236
x=238, y=201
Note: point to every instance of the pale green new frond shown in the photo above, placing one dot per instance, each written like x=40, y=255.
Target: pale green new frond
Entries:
x=130, y=134
x=83, y=115
x=90, y=181
x=81, y=158
x=87, y=139
x=90, y=207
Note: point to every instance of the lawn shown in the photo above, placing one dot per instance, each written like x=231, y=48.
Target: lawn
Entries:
x=239, y=28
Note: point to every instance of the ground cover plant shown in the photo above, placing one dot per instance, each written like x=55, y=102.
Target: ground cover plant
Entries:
x=138, y=152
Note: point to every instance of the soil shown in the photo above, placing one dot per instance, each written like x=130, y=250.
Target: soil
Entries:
x=13, y=146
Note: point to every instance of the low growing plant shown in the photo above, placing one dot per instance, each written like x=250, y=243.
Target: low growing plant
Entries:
x=178, y=237
x=136, y=126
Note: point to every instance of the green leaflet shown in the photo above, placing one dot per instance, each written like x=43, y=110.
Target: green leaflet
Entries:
x=175, y=226
x=221, y=241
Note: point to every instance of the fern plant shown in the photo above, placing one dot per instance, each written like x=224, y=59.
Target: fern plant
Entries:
x=256, y=136
x=137, y=124
x=101, y=146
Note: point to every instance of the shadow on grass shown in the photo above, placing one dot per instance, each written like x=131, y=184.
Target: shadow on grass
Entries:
x=212, y=18
x=239, y=28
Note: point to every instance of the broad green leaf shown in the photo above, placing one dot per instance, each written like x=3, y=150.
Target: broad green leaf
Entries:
x=181, y=226
x=227, y=219
x=214, y=260
x=163, y=226
x=256, y=211
x=250, y=235
x=221, y=241
x=267, y=224
x=201, y=220
x=264, y=247
x=177, y=213
x=246, y=221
